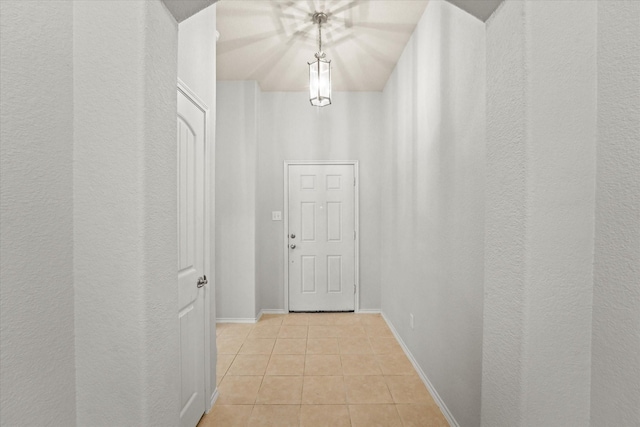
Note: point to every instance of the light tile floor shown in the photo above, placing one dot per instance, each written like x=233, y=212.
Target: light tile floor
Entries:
x=315, y=370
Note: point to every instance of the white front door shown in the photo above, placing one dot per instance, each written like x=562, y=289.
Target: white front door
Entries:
x=191, y=165
x=321, y=237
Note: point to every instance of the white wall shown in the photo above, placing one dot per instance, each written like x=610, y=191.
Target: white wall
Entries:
x=291, y=129
x=505, y=218
x=236, y=151
x=125, y=198
x=88, y=214
x=615, y=359
x=37, y=370
x=249, y=183
x=541, y=142
x=197, y=69
x=433, y=203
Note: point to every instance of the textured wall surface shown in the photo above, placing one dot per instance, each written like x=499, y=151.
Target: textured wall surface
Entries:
x=433, y=203
x=37, y=372
x=290, y=129
x=615, y=369
x=236, y=151
x=540, y=213
x=562, y=39
x=505, y=209
x=197, y=69
x=127, y=360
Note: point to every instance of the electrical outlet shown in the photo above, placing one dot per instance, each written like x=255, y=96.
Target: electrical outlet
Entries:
x=276, y=216
x=411, y=320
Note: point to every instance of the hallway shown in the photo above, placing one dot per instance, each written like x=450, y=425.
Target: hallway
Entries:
x=499, y=179
x=316, y=370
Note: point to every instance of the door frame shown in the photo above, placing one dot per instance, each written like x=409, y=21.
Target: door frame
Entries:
x=209, y=390
x=354, y=163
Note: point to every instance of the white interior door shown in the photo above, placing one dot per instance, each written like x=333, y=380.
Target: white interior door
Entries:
x=321, y=237
x=191, y=169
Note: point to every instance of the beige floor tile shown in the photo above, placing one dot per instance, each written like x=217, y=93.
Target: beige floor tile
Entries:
x=345, y=319
x=395, y=364
x=238, y=390
x=290, y=346
x=275, y=416
x=229, y=345
x=374, y=330
x=374, y=416
x=296, y=319
x=354, y=345
x=264, y=331
x=322, y=364
x=220, y=328
x=382, y=345
x=350, y=331
x=324, y=416
x=323, y=331
x=277, y=390
x=422, y=416
x=322, y=346
x=323, y=390
x=223, y=363
x=321, y=319
x=257, y=346
x=408, y=389
x=369, y=318
x=271, y=319
x=249, y=364
x=367, y=389
x=236, y=329
x=227, y=415
x=286, y=364
x=360, y=364
x=219, y=379
x=293, y=331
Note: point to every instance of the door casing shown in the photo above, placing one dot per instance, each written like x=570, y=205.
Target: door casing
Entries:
x=285, y=218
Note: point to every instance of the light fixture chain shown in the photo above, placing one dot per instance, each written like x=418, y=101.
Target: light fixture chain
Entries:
x=320, y=36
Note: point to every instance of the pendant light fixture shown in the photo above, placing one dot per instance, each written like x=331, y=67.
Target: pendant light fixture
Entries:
x=320, y=70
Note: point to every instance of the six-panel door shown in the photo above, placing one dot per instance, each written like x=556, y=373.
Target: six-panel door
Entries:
x=321, y=237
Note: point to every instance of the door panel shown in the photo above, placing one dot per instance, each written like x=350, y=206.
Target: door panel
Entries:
x=191, y=156
x=321, y=258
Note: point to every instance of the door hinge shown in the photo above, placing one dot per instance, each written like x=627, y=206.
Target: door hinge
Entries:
x=354, y=235
x=354, y=288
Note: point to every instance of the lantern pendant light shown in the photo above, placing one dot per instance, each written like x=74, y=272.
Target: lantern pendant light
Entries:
x=320, y=70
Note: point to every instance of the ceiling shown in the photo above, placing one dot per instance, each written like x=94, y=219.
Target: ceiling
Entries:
x=481, y=9
x=183, y=9
x=272, y=41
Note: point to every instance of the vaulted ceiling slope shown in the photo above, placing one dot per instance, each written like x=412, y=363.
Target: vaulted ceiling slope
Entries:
x=481, y=9
x=182, y=9
x=272, y=41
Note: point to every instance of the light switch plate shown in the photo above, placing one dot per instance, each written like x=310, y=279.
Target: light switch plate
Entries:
x=276, y=216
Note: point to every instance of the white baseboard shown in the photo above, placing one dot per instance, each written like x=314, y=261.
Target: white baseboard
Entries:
x=249, y=319
x=369, y=311
x=235, y=320
x=214, y=398
x=273, y=311
x=445, y=411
